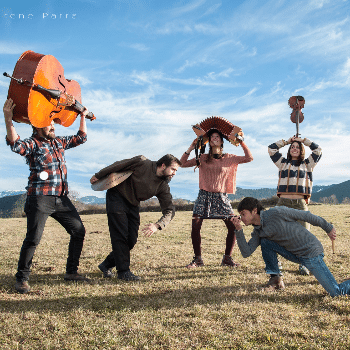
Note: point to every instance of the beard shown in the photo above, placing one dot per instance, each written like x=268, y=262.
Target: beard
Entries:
x=166, y=178
x=50, y=135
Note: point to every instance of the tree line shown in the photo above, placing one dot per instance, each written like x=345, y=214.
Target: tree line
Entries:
x=16, y=208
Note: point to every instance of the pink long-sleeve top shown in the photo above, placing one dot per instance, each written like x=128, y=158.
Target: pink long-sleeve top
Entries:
x=218, y=175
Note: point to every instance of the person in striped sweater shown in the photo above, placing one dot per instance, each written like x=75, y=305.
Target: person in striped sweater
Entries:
x=295, y=175
x=217, y=178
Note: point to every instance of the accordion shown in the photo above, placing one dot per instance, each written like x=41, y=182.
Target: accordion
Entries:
x=230, y=132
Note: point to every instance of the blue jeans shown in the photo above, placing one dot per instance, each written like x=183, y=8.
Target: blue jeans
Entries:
x=315, y=265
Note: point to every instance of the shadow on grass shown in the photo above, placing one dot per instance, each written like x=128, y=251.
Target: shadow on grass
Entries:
x=131, y=298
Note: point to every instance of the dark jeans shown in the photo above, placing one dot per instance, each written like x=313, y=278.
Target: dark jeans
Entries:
x=316, y=266
x=124, y=223
x=38, y=209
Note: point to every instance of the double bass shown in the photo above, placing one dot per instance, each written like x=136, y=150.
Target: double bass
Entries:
x=42, y=93
x=297, y=116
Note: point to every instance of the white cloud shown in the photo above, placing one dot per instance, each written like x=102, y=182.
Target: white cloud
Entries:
x=8, y=48
x=189, y=7
x=139, y=47
x=4, y=84
x=80, y=78
x=212, y=9
x=225, y=73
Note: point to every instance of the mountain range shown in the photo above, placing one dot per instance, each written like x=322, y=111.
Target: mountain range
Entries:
x=85, y=200
x=262, y=193
x=11, y=202
x=340, y=191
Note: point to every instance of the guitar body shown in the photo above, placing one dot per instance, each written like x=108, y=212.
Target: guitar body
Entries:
x=110, y=181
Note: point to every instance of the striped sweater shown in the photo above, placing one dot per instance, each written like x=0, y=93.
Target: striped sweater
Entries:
x=294, y=178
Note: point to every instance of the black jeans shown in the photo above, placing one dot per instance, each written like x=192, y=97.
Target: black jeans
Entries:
x=124, y=223
x=38, y=209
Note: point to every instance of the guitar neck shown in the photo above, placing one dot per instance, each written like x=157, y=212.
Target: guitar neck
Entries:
x=80, y=108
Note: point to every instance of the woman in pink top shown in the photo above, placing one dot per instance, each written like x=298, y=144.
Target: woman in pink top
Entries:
x=217, y=178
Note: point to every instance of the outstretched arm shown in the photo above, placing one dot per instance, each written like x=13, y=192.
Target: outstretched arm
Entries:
x=149, y=229
x=83, y=127
x=8, y=114
x=192, y=146
x=274, y=152
x=168, y=211
x=315, y=156
x=332, y=235
x=248, y=157
x=246, y=248
x=185, y=163
x=291, y=214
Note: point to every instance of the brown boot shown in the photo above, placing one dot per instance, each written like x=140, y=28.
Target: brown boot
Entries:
x=22, y=287
x=227, y=261
x=196, y=262
x=274, y=283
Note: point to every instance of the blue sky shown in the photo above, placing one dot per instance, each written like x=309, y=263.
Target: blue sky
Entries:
x=149, y=70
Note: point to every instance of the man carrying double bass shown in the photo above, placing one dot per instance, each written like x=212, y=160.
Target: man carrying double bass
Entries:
x=47, y=192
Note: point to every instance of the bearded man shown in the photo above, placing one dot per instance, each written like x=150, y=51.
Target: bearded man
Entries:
x=148, y=179
x=47, y=192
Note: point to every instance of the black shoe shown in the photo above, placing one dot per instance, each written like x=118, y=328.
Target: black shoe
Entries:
x=22, y=287
x=107, y=273
x=128, y=276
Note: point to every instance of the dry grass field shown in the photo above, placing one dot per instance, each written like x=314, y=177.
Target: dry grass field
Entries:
x=172, y=307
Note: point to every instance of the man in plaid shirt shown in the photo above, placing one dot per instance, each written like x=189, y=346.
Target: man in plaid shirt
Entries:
x=46, y=193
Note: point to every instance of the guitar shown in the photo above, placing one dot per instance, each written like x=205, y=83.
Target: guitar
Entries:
x=111, y=180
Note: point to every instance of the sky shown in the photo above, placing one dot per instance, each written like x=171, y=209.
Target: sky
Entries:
x=149, y=70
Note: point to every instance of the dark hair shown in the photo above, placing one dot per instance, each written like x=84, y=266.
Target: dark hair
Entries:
x=167, y=160
x=210, y=153
x=302, y=152
x=249, y=203
x=35, y=130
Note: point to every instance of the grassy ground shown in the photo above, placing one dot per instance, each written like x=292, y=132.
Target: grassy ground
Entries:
x=172, y=307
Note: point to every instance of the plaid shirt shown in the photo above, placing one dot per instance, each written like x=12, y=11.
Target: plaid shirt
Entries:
x=47, y=165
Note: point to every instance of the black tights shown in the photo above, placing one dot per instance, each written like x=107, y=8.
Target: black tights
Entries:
x=196, y=236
